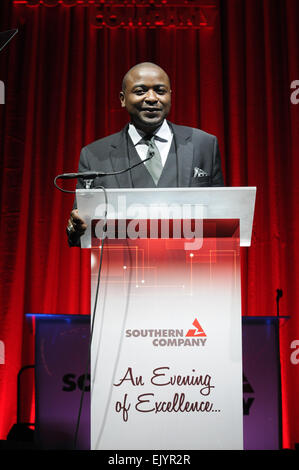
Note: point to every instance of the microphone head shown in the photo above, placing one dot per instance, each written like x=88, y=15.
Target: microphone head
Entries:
x=279, y=293
x=86, y=175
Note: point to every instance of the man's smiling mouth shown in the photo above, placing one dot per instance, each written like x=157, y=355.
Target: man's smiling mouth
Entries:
x=151, y=110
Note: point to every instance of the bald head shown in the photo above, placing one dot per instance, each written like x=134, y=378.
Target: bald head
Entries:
x=146, y=95
x=142, y=68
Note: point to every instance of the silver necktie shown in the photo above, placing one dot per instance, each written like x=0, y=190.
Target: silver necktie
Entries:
x=154, y=165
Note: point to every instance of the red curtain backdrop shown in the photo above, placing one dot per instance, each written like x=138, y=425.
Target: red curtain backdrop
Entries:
x=62, y=78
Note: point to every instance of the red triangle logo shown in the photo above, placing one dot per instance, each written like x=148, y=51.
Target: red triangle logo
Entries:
x=198, y=331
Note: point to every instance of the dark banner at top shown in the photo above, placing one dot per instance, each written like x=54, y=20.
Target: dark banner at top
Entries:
x=139, y=13
x=71, y=3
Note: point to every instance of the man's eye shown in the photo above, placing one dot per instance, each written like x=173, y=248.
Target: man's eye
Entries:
x=139, y=91
x=161, y=91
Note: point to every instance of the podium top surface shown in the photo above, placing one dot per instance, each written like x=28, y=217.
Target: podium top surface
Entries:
x=169, y=203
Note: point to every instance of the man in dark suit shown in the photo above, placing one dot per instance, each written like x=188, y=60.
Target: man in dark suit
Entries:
x=180, y=156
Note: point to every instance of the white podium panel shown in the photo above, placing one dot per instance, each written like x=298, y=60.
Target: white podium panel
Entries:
x=172, y=203
x=166, y=360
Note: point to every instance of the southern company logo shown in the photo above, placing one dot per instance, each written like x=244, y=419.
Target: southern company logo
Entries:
x=198, y=331
x=172, y=337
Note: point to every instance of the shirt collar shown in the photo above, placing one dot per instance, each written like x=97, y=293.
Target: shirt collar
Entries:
x=164, y=132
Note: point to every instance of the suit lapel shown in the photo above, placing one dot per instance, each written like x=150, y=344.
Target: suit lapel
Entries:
x=184, y=148
x=169, y=174
x=120, y=160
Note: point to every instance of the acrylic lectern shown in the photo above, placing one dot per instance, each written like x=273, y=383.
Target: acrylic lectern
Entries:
x=166, y=353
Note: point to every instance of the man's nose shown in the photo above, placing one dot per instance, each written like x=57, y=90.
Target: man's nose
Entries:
x=151, y=96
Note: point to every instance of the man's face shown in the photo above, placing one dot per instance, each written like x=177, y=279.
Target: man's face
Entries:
x=147, y=97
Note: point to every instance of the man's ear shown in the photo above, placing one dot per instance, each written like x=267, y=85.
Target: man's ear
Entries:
x=122, y=99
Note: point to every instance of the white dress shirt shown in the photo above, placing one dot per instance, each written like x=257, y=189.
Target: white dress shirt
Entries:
x=164, y=132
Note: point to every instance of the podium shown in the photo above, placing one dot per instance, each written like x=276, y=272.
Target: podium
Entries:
x=166, y=352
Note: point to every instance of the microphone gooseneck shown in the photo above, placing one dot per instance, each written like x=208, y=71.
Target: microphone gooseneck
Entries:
x=91, y=175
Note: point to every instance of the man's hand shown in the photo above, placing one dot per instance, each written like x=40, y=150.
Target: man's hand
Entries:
x=76, y=226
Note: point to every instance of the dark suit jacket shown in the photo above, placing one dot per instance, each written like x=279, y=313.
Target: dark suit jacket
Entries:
x=194, y=150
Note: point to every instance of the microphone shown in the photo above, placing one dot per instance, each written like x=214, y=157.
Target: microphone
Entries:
x=91, y=175
x=278, y=296
x=86, y=175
